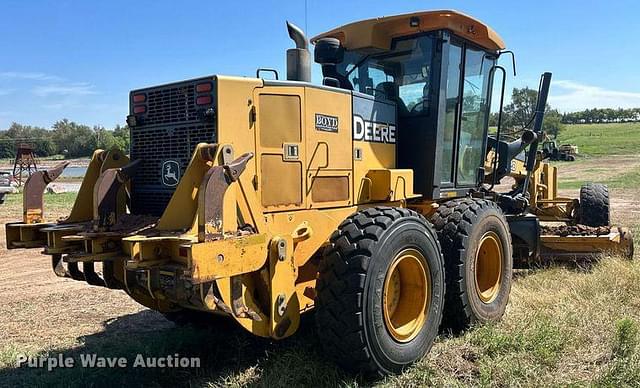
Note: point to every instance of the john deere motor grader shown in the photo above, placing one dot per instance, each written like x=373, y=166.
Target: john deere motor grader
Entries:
x=371, y=199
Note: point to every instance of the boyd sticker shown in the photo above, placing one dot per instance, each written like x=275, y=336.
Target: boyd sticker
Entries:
x=372, y=131
x=326, y=123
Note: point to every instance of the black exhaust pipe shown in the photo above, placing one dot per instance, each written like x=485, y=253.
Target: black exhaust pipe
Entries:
x=299, y=58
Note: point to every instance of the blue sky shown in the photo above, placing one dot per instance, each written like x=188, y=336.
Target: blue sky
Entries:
x=79, y=59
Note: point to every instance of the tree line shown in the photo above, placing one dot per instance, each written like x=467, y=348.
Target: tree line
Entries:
x=517, y=114
x=604, y=115
x=65, y=137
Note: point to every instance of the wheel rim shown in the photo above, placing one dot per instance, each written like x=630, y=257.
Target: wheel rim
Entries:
x=488, y=267
x=406, y=295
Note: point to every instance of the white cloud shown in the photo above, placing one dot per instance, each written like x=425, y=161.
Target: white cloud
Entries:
x=34, y=76
x=570, y=96
x=74, y=89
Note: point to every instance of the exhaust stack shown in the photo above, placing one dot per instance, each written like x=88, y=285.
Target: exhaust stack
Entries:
x=299, y=58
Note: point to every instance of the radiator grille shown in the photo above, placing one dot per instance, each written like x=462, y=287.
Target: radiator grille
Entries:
x=168, y=133
x=171, y=105
x=154, y=146
x=149, y=202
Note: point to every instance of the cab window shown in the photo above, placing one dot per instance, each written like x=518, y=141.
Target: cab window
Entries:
x=404, y=74
x=475, y=112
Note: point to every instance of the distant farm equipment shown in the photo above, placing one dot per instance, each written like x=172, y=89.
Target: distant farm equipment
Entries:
x=564, y=152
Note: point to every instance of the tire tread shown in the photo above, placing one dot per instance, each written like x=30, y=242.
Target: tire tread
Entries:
x=453, y=222
x=341, y=285
x=594, y=205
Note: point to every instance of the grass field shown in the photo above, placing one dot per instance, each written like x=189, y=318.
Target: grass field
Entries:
x=609, y=153
x=567, y=325
x=603, y=139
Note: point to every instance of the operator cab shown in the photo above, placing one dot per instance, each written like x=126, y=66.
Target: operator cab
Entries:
x=436, y=68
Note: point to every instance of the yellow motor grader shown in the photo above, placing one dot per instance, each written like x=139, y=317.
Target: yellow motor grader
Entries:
x=370, y=199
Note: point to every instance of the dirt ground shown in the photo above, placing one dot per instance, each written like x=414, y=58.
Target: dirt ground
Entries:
x=39, y=311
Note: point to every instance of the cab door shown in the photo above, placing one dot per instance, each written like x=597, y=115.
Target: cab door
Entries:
x=467, y=99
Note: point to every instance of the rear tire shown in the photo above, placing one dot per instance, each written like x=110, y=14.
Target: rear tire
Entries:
x=476, y=244
x=594, y=205
x=380, y=291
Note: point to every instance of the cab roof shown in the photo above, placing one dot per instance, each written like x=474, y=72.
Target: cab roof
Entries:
x=378, y=33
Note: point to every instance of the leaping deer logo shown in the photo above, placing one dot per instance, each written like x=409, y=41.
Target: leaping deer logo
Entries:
x=170, y=173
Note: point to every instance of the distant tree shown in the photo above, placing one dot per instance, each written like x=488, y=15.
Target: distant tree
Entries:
x=65, y=137
x=7, y=146
x=73, y=139
x=121, y=135
x=104, y=139
x=519, y=112
x=552, y=124
x=602, y=115
x=493, y=119
x=39, y=137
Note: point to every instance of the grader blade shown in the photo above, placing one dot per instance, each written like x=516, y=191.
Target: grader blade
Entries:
x=582, y=242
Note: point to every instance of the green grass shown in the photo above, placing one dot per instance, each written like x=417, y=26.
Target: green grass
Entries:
x=600, y=140
x=55, y=205
x=627, y=180
x=62, y=201
x=603, y=139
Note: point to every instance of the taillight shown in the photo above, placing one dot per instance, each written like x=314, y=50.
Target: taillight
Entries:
x=203, y=100
x=203, y=88
x=139, y=98
x=139, y=109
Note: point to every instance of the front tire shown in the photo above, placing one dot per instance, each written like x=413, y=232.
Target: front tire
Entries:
x=594, y=205
x=380, y=291
x=476, y=244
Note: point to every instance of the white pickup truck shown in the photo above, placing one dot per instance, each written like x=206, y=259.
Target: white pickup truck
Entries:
x=5, y=185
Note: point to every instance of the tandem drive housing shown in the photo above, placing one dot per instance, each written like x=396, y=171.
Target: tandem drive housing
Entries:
x=90, y=360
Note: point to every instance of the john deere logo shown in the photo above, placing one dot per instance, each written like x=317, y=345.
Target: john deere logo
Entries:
x=170, y=173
